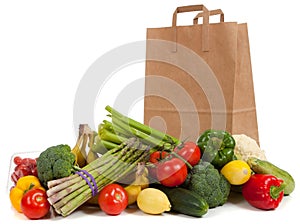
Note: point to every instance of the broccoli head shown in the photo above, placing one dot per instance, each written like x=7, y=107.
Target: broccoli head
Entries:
x=54, y=163
x=207, y=182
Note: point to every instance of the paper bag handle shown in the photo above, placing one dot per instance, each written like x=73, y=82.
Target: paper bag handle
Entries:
x=211, y=13
x=205, y=15
x=190, y=8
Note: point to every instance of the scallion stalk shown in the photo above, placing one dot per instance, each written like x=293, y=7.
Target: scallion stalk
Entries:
x=142, y=127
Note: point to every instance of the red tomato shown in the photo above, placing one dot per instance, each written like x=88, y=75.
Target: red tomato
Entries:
x=24, y=167
x=172, y=172
x=29, y=162
x=190, y=152
x=22, y=170
x=34, y=204
x=34, y=171
x=14, y=177
x=156, y=156
x=17, y=160
x=113, y=199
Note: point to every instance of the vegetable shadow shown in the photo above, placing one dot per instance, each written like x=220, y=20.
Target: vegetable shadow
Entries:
x=237, y=199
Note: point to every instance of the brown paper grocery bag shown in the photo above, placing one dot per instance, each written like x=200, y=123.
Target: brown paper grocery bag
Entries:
x=199, y=77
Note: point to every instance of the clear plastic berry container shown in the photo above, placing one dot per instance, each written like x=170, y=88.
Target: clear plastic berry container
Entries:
x=13, y=165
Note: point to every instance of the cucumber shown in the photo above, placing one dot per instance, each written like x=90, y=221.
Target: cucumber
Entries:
x=266, y=167
x=185, y=201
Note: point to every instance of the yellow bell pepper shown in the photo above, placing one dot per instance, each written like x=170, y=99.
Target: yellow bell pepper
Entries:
x=23, y=185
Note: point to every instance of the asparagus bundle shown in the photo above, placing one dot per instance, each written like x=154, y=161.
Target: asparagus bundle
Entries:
x=114, y=132
x=67, y=194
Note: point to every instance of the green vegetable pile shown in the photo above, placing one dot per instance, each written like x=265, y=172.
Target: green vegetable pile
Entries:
x=54, y=163
x=208, y=183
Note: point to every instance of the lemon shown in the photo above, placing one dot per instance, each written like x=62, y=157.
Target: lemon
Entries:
x=153, y=201
x=133, y=192
x=237, y=172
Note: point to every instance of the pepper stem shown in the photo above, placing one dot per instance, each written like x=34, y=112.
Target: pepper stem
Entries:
x=275, y=191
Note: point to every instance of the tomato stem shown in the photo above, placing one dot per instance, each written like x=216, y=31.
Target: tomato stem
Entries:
x=184, y=160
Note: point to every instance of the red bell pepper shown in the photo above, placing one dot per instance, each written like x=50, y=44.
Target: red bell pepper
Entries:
x=263, y=191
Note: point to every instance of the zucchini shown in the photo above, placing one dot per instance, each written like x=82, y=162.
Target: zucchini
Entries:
x=266, y=167
x=185, y=201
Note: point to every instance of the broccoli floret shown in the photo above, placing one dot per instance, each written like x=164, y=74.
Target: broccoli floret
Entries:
x=207, y=182
x=54, y=163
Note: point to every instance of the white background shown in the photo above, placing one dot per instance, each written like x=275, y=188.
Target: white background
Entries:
x=47, y=46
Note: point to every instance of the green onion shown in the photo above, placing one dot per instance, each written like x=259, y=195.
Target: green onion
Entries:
x=121, y=128
x=141, y=127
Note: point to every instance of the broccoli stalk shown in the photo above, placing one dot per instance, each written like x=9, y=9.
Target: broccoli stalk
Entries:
x=207, y=182
x=55, y=162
